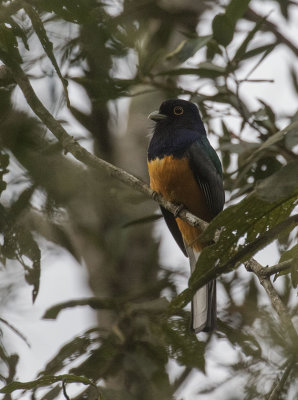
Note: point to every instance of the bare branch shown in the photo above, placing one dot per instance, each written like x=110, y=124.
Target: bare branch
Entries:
x=182, y=378
x=81, y=154
x=64, y=390
x=277, y=304
x=283, y=266
x=72, y=146
x=281, y=382
x=271, y=27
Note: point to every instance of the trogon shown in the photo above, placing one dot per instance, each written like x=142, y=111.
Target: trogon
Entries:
x=186, y=170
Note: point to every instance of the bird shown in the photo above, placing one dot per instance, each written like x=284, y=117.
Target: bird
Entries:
x=186, y=170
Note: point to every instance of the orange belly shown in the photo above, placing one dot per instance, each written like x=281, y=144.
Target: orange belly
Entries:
x=174, y=179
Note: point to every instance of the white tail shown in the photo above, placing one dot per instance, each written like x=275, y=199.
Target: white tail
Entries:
x=204, y=300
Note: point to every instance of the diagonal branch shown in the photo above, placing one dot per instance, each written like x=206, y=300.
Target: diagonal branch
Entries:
x=283, y=266
x=185, y=297
x=80, y=153
x=253, y=266
x=271, y=27
x=275, y=393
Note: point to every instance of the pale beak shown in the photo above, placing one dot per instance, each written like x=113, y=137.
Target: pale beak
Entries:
x=156, y=116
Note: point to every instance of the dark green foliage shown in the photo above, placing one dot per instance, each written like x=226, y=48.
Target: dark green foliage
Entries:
x=224, y=24
x=292, y=255
x=8, y=42
x=18, y=242
x=246, y=226
x=4, y=162
x=188, y=48
x=45, y=381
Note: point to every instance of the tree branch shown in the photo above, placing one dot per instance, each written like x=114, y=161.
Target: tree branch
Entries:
x=281, y=382
x=72, y=146
x=283, y=266
x=271, y=27
x=81, y=154
x=253, y=266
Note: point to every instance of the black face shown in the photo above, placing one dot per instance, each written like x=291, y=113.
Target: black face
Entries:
x=180, y=113
x=179, y=109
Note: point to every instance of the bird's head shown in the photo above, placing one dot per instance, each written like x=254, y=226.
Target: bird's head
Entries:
x=178, y=113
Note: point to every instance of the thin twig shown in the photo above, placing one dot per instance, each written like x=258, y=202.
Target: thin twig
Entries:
x=274, y=395
x=64, y=390
x=80, y=153
x=271, y=27
x=253, y=266
x=16, y=331
x=179, y=381
x=283, y=266
x=256, y=80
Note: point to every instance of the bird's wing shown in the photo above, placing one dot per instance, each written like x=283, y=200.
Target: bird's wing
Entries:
x=173, y=227
x=206, y=168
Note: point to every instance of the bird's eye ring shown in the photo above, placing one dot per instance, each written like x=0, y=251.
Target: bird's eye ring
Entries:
x=178, y=110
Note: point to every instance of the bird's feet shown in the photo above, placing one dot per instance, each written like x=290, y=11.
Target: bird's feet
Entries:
x=177, y=210
x=155, y=195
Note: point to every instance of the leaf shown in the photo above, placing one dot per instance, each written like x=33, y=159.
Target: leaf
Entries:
x=223, y=29
x=29, y=248
x=205, y=70
x=20, y=205
x=238, y=337
x=15, y=330
x=46, y=44
x=4, y=162
x=75, y=11
x=284, y=5
x=236, y=9
x=258, y=50
x=288, y=255
x=149, y=307
x=8, y=42
x=144, y=220
x=187, y=48
x=246, y=228
x=213, y=48
x=268, y=111
x=18, y=31
x=294, y=78
x=242, y=48
x=93, y=302
x=279, y=185
x=70, y=351
x=291, y=138
x=46, y=380
x=19, y=242
x=182, y=343
x=277, y=136
x=223, y=25
x=101, y=359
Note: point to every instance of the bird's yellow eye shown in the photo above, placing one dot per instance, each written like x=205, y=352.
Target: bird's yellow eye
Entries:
x=178, y=110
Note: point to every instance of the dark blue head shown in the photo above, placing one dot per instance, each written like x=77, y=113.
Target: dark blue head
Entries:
x=178, y=125
x=178, y=113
